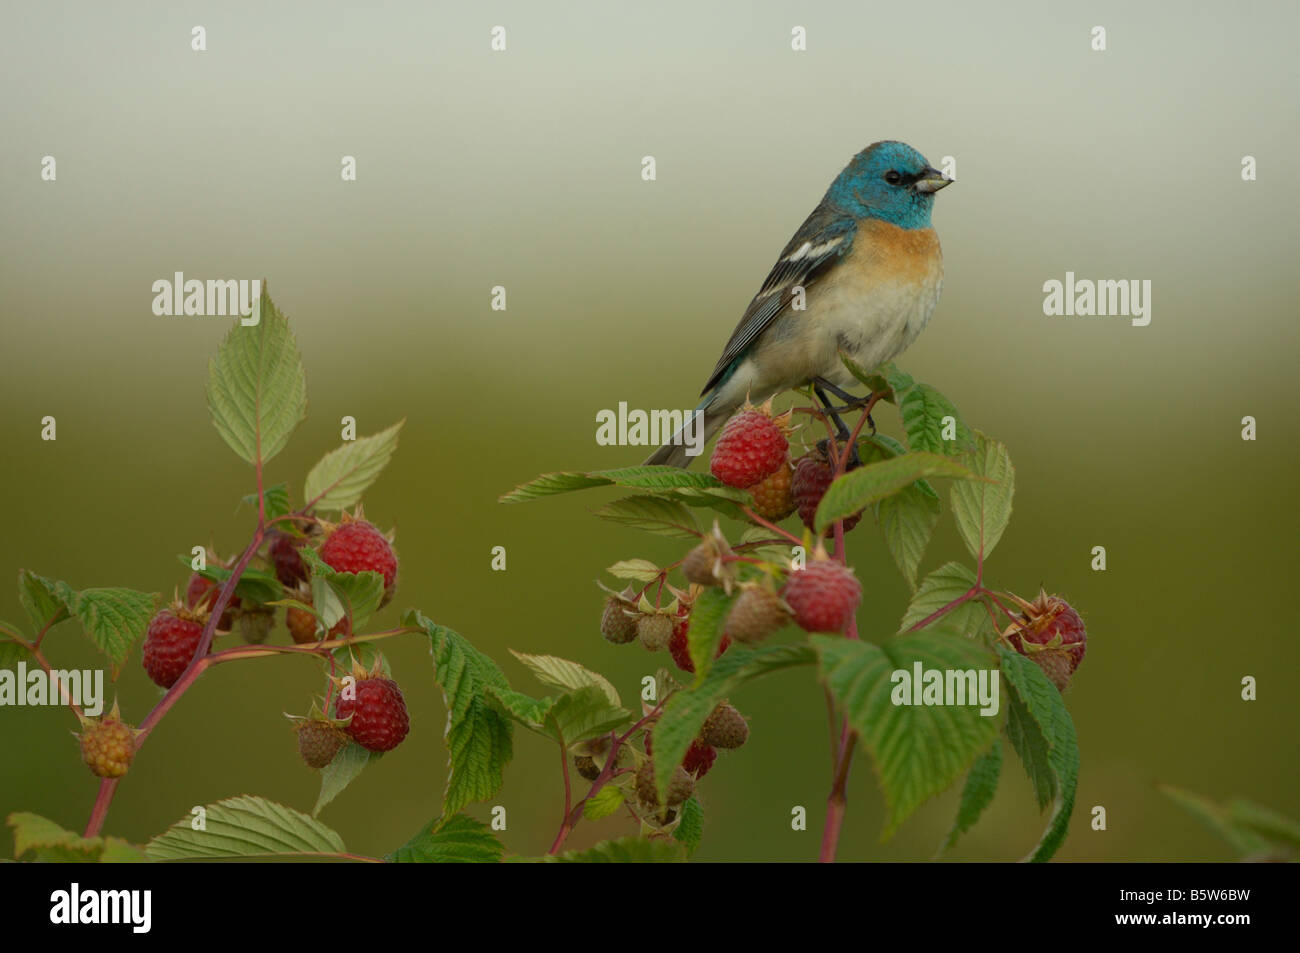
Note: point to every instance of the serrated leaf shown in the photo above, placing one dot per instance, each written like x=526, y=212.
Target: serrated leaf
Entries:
x=982, y=508
x=479, y=735
x=458, y=840
x=625, y=850
x=981, y=785
x=641, y=478
x=919, y=750
x=563, y=673
x=40, y=599
x=11, y=653
x=907, y=521
x=1029, y=744
x=276, y=499
x=652, y=515
x=945, y=585
x=39, y=839
x=585, y=713
x=1044, y=704
x=528, y=711
x=858, y=489
x=339, y=478
x=339, y=773
x=112, y=618
x=246, y=827
x=641, y=570
x=690, y=829
x=684, y=712
x=336, y=594
x=704, y=635
x=257, y=391
x=603, y=803
x=923, y=409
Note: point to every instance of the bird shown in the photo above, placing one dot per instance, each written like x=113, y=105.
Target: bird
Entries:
x=862, y=274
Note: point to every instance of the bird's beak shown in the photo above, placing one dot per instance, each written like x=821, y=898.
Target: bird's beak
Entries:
x=932, y=180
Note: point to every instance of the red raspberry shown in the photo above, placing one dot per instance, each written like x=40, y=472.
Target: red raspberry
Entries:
x=681, y=651
x=108, y=746
x=1050, y=634
x=379, y=719
x=356, y=546
x=822, y=597
x=169, y=644
x=812, y=475
x=203, y=591
x=699, y=757
x=289, y=567
x=752, y=446
x=773, y=495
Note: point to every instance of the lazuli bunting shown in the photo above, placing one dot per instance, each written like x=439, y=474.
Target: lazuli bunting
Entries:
x=862, y=273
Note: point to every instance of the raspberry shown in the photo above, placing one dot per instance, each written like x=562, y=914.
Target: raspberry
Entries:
x=379, y=719
x=289, y=567
x=169, y=644
x=773, y=497
x=680, y=648
x=812, y=475
x=756, y=615
x=615, y=624
x=822, y=597
x=698, y=760
x=753, y=444
x=356, y=546
x=107, y=746
x=680, y=787
x=655, y=631
x=701, y=564
x=202, y=591
x=586, y=766
x=302, y=624
x=319, y=741
x=1050, y=634
x=255, y=624
x=725, y=728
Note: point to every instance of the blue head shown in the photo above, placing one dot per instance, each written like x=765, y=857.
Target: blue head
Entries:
x=890, y=181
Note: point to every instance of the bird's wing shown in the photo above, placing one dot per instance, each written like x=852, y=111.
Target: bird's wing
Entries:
x=821, y=240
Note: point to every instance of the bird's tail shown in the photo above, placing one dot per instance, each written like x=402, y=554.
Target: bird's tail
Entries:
x=673, y=453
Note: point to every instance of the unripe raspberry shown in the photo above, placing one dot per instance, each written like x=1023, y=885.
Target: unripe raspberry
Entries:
x=755, y=615
x=773, y=495
x=587, y=767
x=319, y=741
x=725, y=728
x=1051, y=634
x=822, y=597
x=701, y=564
x=108, y=746
x=616, y=625
x=255, y=624
x=753, y=444
x=680, y=787
x=655, y=631
x=302, y=624
x=812, y=475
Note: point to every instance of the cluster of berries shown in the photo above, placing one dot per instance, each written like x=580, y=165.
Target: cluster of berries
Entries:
x=753, y=454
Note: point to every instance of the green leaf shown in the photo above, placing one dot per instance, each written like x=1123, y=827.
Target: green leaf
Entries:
x=1243, y=840
x=277, y=501
x=704, y=636
x=1032, y=748
x=47, y=842
x=562, y=673
x=603, y=803
x=479, y=735
x=257, y=392
x=907, y=520
x=982, y=508
x=641, y=570
x=585, y=713
x=1278, y=828
x=900, y=382
x=40, y=598
x=11, y=653
x=690, y=829
x=652, y=515
x=919, y=750
x=981, y=785
x=684, y=712
x=339, y=773
x=530, y=712
x=112, y=618
x=245, y=827
x=625, y=850
x=339, y=479
x=858, y=489
x=949, y=582
x=639, y=478
x=336, y=594
x=255, y=585
x=458, y=840
x=923, y=410
x=1047, y=710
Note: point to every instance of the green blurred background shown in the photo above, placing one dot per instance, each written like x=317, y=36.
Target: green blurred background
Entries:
x=523, y=169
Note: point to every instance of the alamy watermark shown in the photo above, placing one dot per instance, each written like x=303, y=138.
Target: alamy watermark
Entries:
x=650, y=428
x=214, y=297
x=84, y=687
x=948, y=687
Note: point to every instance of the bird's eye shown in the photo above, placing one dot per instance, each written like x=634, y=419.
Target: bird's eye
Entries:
x=893, y=177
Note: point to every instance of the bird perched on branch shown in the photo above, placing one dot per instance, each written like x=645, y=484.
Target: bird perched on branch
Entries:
x=862, y=274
